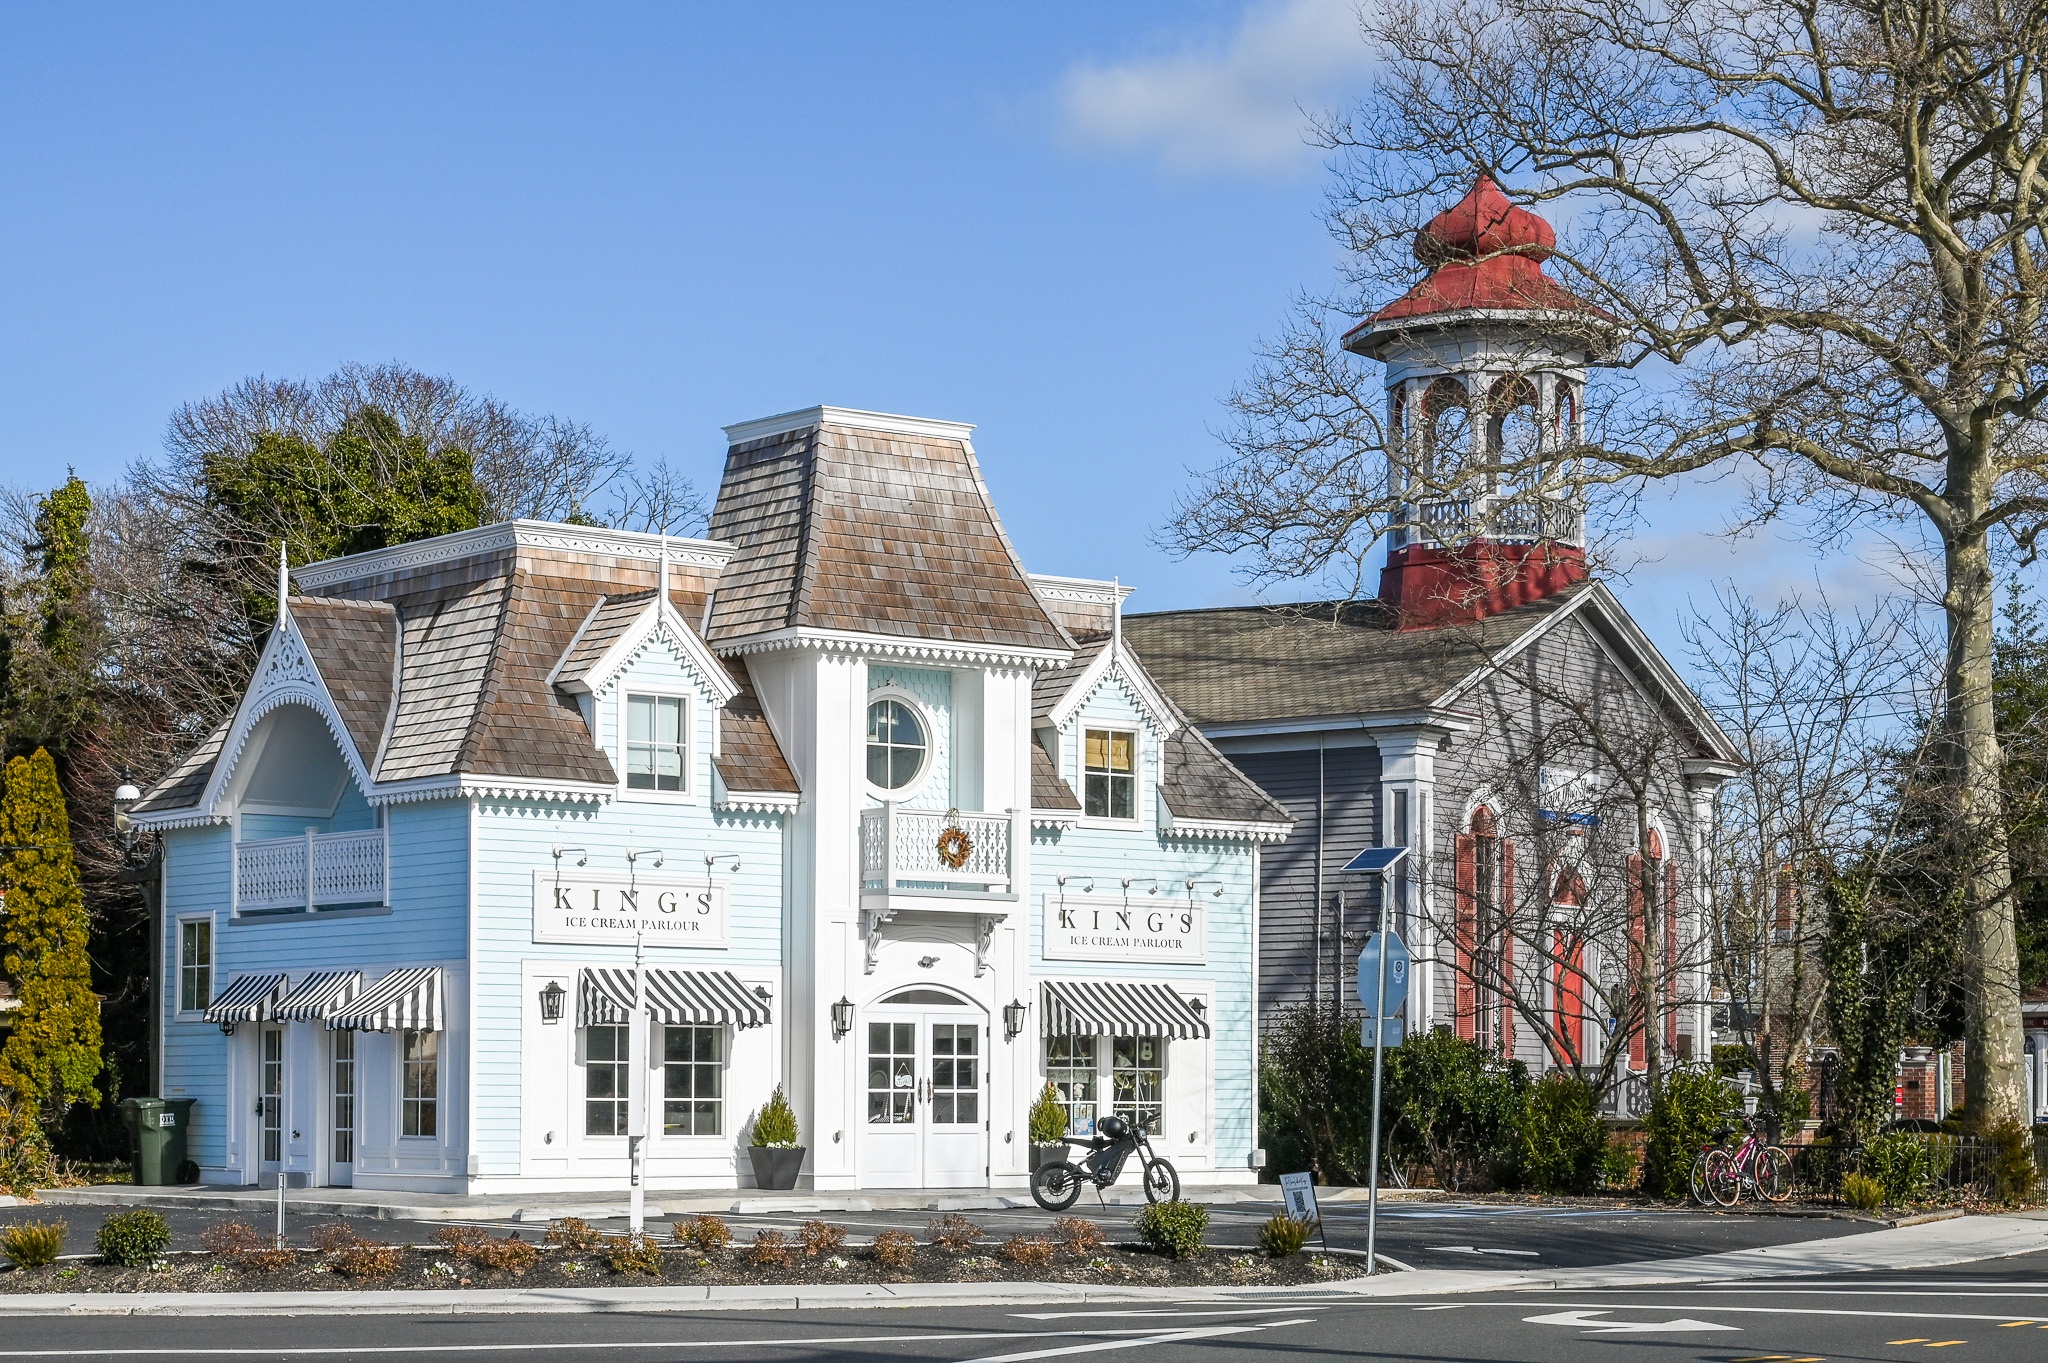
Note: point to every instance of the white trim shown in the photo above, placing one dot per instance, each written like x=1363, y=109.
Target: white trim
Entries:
x=285, y=674
x=740, y=432
x=1111, y=663
x=914, y=787
x=182, y=817
x=658, y=622
x=1085, y=591
x=758, y=802
x=489, y=539
x=1055, y=818
x=689, y=794
x=1226, y=829
x=464, y=785
x=859, y=644
x=180, y=1013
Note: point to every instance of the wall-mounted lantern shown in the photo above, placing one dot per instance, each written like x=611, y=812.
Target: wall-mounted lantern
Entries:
x=842, y=1017
x=551, y=1001
x=1201, y=1009
x=1013, y=1018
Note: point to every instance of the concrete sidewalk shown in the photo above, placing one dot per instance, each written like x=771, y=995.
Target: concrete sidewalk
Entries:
x=530, y=1207
x=1931, y=1244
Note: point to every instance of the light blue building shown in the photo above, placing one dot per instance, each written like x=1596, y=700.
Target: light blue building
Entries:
x=886, y=820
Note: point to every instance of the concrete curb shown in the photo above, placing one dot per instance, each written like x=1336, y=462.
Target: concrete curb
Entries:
x=1928, y=1244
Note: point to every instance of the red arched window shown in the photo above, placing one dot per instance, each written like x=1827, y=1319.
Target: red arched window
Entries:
x=1568, y=973
x=1484, y=949
x=1650, y=873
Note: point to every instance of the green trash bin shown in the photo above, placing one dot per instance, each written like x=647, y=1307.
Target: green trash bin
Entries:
x=156, y=1135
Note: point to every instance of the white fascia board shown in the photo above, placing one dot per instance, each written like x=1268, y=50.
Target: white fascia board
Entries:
x=1085, y=590
x=1110, y=662
x=186, y=816
x=1244, y=830
x=1451, y=722
x=895, y=646
x=659, y=613
x=467, y=785
x=491, y=539
x=806, y=417
x=285, y=674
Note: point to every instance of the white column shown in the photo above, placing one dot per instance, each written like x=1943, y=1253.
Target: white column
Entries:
x=1408, y=764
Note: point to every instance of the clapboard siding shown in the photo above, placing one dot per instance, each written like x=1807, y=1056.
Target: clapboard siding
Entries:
x=1343, y=820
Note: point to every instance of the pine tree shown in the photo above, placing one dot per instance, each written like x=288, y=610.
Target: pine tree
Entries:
x=53, y=1055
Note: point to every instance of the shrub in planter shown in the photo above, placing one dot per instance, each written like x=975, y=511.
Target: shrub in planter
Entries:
x=1692, y=1105
x=510, y=1255
x=1283, y=1235
x=135, y=1237
x=33, y=1244
x=1862, y=1192
x=820, y=1237
x=1078, y=1236
x=229, y=1238
x=1027, y=1251
x=2014, y=1175
x=573, y=1232
x=953, y=1232
x=366, y=1259
x=705, y=1234
x=1563, y=1137
x=1174, y=1228
x=327, y=1239
x=1048, y=1125
x=633, y=1254
x=775, y=1153
x=1901, y=1165
x=895, y=1250
x=769, y=1250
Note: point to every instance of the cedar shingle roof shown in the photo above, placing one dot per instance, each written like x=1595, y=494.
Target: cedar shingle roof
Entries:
x=872, y=532
x=355, y=643
x=1050, y=686
x=1048, y=791
x=522, y=726
x=750, y=761
x=1201, y=786
x=1248, y=664
x=611, y=618
x=183, y=784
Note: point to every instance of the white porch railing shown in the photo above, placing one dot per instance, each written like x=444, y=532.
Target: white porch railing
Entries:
x=310, y=872
x=1451, y=520
x=899, y=848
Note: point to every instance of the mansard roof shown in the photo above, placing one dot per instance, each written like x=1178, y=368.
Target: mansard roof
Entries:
x=859, y=523
x=1049, y=794
x=750, y=761
x=356, y=645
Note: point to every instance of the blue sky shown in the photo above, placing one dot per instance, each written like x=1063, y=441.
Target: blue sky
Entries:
x=1068, y=224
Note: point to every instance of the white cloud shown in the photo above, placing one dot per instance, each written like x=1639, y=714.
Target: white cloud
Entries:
x=1234, y=105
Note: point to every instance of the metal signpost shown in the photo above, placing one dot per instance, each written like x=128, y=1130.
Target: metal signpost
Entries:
x=1384, y=954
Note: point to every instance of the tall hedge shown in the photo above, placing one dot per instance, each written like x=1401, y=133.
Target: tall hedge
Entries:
x=52, y=1057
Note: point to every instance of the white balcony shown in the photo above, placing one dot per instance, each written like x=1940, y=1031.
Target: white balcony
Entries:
x=900, y=853
x=317, y=870
x=1453, y=520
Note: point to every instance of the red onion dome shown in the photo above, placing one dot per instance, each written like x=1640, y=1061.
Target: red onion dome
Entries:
x=1483, y=223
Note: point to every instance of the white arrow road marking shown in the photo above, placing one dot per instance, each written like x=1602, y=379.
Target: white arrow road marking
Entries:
x=1176, y=1337
x=1474, y=1249
x=1584, y=1320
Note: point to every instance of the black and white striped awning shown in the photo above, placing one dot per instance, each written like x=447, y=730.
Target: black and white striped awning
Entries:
x=1104, y=1008
x=248, y=998
x=320, y=996
x=405, y=1000
x=675, y=998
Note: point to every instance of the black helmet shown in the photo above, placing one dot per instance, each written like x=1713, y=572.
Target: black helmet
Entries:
x=1114, y=1127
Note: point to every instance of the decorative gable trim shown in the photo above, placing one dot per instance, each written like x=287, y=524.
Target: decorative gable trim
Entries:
x=465, y=787
x=658, y=623
x=285, y=675
x=1112, y=663
x=1220, y=829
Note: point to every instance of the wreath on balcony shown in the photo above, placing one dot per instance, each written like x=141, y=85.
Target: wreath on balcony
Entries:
x=954, y=844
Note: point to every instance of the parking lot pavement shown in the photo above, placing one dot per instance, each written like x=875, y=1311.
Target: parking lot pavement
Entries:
x=1492, y=1235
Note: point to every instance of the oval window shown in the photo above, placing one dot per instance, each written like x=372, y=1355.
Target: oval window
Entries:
x=896, y=744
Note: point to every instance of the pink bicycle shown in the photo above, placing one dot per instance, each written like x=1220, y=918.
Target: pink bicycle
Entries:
x=1751, y=1167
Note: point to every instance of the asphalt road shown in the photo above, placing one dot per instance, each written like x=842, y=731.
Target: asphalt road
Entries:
x=1421, y=1235
x=1986, y=1311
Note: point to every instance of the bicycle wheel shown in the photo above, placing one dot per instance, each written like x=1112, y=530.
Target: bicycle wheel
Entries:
x=1696, y=1179
x=1056, y=1186
x=1773, y=1174
x=1162, y=1183
x=1723, y=1178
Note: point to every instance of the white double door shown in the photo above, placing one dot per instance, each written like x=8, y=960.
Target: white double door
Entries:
x=926, y=1079
x=334, y=1092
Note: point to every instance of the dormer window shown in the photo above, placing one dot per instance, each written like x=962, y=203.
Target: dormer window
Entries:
x=1110, y=774
x=657, y=743
x=897, y=744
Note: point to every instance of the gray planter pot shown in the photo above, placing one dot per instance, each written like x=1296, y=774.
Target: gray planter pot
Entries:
x=1047, y=1154
x=776, y=1168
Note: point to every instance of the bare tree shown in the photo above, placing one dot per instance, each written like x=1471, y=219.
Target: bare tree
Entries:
x=1810, y=235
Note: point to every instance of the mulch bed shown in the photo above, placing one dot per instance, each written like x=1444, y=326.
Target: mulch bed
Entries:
x=435, y=1267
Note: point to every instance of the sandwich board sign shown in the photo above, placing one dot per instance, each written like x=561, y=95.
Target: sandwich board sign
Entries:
x=1298, y=1191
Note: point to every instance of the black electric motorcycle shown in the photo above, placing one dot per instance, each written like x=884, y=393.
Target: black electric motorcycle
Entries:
x=1056, y=1186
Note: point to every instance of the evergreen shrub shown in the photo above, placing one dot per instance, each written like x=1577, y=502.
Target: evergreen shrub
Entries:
x=33, y=1244
x=1901, y=1164
x=1862, y=1192
x=1563, y=1138
x=1282, y=1235
x=1048, y=1120
x=775, y=1125
x=1174, y=1228
x=1692, y=1105
x=133, y=1238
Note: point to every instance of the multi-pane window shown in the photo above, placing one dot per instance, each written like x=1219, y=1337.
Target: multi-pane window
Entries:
x=273, y=1094
x=1137, y=1078
x=956, y=1073
x=1110, y=774
x=344, y=1096
x=606, y=1052
x=420, y=1084
x=1070, y=1067
x=195, y=964
x=892, y=1073
x=692, y=1081
x=896, y=744
x=656, y=744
